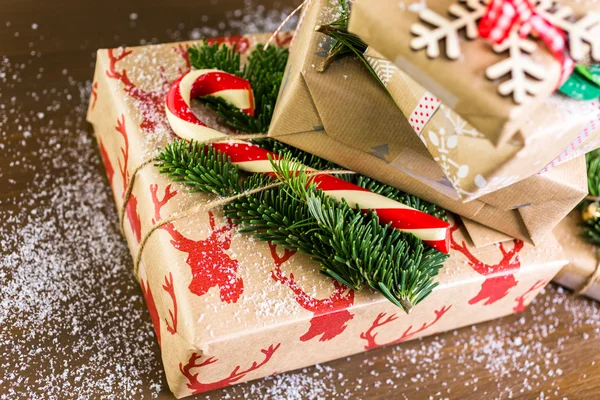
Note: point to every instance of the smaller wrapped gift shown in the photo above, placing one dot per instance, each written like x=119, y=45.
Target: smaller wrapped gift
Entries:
x=581, y=274
x=496, y=88
x=344, y=115
x=560, y=130
x=228, y=308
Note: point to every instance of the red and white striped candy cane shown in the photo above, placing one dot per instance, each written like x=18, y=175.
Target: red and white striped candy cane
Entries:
x=252, y=158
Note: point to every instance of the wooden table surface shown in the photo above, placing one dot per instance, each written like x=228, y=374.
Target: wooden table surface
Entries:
x=72, y=319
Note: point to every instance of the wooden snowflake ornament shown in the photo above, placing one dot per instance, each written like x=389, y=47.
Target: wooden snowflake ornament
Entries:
x=524, y=76
x=583, y=34
x=447, y=30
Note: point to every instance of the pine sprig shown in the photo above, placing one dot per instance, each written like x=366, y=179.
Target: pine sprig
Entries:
x=344, y=43
x=365, y=182
x=350, y=246
x=264, y=70
x=216, y=56
x=395, y=264
x=199, y=167
x=591, y=208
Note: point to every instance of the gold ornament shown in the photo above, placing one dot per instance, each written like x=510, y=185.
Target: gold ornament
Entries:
x=591, y=212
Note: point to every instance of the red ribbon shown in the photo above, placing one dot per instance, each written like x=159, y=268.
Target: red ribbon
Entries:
x=503, y=16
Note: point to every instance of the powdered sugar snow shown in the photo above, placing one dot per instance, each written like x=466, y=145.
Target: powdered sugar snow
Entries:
x=73, y=323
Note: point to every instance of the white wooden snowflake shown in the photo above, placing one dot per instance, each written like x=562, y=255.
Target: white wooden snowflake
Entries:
x=583, y=34
x=466, y=16
x=524, y=75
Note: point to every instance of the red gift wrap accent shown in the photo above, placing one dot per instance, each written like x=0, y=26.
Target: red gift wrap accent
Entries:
x=504, y=16
x=252, y=158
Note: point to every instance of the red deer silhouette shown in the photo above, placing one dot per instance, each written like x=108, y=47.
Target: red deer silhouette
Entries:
x=94, y=94
x=521, y=299
x=284, y=38
x=198, y=387
x=170, y=289
x=330, y=315
x=151, y=305
x=110, y=171
x=131, y=209
x=151, y=103
x=496, y=287
x=241, y=42
x=370, y=336
x=210, y=265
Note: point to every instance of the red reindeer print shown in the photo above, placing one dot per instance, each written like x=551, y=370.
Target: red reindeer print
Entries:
x=170, y=289
x=199, y=387
x=110, y=171
x=284, y=38
x=151, y=103
x=131, y=209
x=182, y=51
x=94, y=94
x=493, y=288
x=151, y=305
x=331, y=314
x=241, y=42
x=211, y=265
x=370, y=336
x=521, y=299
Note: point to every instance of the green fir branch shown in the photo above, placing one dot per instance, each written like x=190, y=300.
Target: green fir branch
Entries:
x=590, y=208
x=349, y=245
x=264, y=70
x=216, y=56
x=199, y=167
x=344, y=43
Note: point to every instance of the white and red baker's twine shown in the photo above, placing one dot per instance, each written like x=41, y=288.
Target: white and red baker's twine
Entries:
x=251, y=158
x=502, y=16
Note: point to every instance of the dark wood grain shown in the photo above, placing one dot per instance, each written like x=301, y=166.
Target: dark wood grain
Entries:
x=549, y=351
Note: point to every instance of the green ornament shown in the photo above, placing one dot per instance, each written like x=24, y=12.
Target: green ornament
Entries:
x=579, y=87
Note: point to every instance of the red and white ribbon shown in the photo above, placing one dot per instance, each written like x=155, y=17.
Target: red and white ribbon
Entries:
x=423, y=112
x=502, y=16
x=252, y=158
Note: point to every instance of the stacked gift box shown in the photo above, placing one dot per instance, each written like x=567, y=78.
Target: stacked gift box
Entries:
x=227, y=306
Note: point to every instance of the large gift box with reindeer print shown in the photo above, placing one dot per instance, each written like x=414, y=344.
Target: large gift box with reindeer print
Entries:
x=227, y=308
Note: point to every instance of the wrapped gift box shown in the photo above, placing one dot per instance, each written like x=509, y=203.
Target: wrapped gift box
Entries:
x=560, y=130
x=406, y=32
x=582, y=256
x=227, y=308
x=346, y=116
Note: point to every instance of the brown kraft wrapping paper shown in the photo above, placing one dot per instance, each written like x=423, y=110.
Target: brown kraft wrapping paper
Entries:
x=461, y=84
x=582, y=256
x=345, y=116
x=560, y=130
x=227, y=308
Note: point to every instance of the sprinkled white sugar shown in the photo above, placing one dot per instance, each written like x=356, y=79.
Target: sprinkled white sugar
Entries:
x=70, y=327
x=72, y=319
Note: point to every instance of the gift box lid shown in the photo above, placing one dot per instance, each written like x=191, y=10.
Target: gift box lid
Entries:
x=348, y=118
x=395, y=28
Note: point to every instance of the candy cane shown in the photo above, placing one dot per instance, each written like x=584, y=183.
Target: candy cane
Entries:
x=252, y=158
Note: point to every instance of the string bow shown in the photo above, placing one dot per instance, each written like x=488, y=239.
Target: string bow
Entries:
x=504, y=16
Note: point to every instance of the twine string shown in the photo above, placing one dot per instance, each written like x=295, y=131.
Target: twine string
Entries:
x=285, y=21
x=199, y=207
